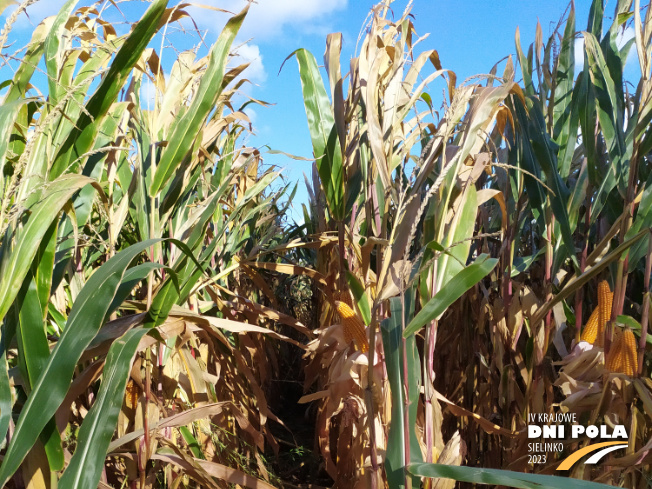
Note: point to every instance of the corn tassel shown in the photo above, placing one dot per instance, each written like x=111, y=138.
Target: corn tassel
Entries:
x=354, y=328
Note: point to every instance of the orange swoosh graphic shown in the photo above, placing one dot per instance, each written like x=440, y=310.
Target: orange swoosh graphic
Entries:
x=569, y=461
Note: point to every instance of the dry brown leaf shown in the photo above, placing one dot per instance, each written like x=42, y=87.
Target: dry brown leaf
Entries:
x=453, y=454
x=485, y=424
x=213, y=469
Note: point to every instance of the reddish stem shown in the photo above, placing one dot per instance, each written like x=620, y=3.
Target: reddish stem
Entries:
x=645, y=316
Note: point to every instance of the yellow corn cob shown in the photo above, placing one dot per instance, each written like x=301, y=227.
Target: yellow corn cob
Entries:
x=346, y=298
x=613, y=361
x=622, y=355
x=630, y=359
x=605, y=301
x=354, y=329
x=590, y=332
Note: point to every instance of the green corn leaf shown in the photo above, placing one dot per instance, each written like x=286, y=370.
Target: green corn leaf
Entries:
x=526, y=65
x=449, y=293
x=496, y=477
x=85, y=467
x=395, y=457
x=609, y=117
x=360, y=297
x=523, y=263
x=187, y=127
x=524, y=157
x=631, y=322
x=187, y=268
x=81, y=85
x=567, y=140
x=544, y=152
x=86, y=318
x=82, y=136
x=596, y=17
x=16, y=263
x=52, y=54
x=565, y=113
x=578, y=281
x=133, y=277
x=8, y=113
x=325, y=142
x=30, y=60
x=192, y=442
x=459, y=230
x=578, y=196
x=94, y=165
x=643, y=220
x=5, y=386
x=34, y=351
x=564, y=76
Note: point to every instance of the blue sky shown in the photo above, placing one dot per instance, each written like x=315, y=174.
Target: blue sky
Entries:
x=470, y=36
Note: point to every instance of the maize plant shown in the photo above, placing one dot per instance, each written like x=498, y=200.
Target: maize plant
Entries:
x=463, y=264
x=472, y=239
x=354, y=329
x=134, y=335
x=594, y=329
x=622, y=354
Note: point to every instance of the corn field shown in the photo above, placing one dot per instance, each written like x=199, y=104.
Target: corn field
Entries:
x=467, y=262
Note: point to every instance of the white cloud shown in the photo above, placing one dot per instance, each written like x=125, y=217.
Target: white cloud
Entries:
x=579, y=54
x=250, y=53
x=35, y=13
x=251, y=113
x=147, y=94
x=40, y=10
x=267, y=19
x=623, y=37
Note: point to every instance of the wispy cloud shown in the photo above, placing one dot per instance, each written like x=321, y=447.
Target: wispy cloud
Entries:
x=266, y=22
x=147, y=94
x=252, y=114
x=579, y=54
x=36, y=13
x=268, y=19
x=623, y=37
x=250, y=53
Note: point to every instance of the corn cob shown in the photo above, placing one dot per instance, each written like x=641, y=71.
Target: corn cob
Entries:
x=590, y=332
x=613, y=361
x=622, y=355
x=605, y=302
x=630, y=358
x=594, y=330
x=354, y=328
x=345, y=297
